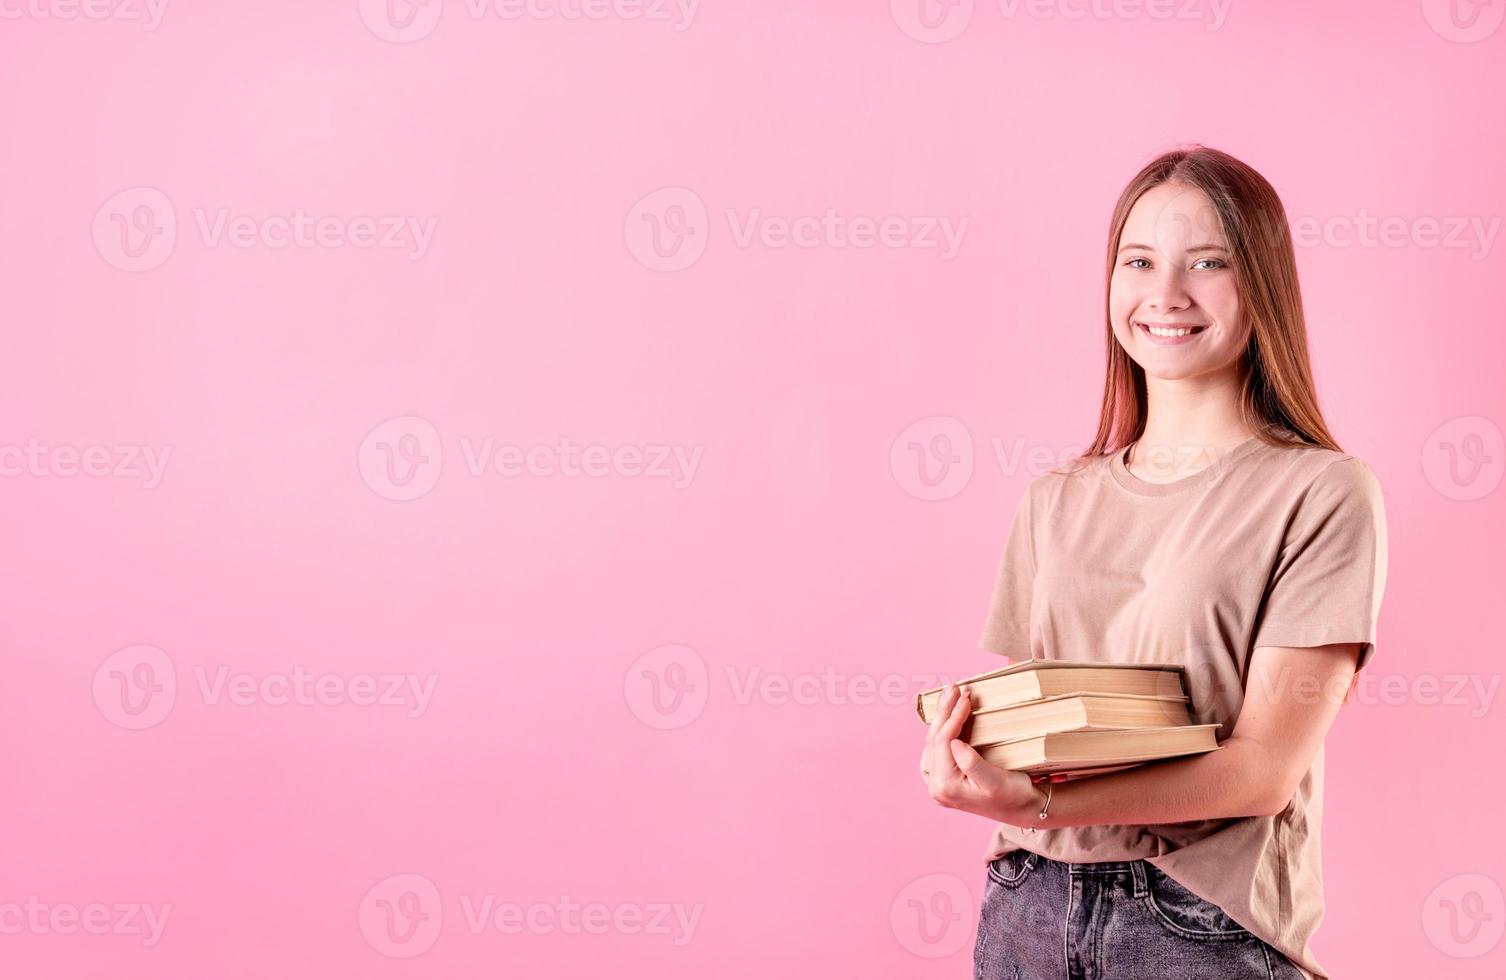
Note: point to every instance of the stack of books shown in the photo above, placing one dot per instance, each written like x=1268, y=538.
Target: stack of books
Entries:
x=1077, y=718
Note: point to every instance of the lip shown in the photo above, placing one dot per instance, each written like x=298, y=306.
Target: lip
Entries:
x=1170, y=341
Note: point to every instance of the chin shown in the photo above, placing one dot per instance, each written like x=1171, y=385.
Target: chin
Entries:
x=1170, y=375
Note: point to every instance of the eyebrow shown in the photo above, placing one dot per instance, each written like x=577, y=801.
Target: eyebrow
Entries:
x=1196, y=248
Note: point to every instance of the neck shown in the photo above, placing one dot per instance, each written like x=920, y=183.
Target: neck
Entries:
x=1201, y=412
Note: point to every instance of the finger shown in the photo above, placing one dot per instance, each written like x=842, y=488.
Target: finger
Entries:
x=940, y=762
x=958, y=716
x=968, y=761
x=943, y=706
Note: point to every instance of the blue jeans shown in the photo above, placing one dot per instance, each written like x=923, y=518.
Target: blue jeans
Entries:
x=1110, y=920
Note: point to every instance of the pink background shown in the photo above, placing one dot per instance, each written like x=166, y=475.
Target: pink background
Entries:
x=592, y=639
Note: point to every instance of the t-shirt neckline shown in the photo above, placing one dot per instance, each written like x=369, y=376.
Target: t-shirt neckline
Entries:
x=1202, y=477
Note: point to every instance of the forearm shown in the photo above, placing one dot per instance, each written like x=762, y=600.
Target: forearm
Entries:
x=1239, y=779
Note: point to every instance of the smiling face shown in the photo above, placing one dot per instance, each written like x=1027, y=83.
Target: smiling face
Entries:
x=1173, y=302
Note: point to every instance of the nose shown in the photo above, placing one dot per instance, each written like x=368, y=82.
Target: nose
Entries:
x=1168, y=291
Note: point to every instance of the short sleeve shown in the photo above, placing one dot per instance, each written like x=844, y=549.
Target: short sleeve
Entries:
x=1006, y=630
x=1328, y=579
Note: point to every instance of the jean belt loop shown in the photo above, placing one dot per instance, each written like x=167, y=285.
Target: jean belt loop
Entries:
x=1137, y=872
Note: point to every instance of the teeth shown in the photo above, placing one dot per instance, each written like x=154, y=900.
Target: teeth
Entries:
x=1169, y=331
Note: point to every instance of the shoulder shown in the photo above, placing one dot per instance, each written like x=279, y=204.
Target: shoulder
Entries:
x=1316, y=480
x=1045, y=491
x=1078, y=469
x=1309, y=468
x=1347, y=473
x=1347, y=485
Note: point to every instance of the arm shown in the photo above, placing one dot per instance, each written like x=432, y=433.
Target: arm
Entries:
x=1289, y=705
x=1291, y=699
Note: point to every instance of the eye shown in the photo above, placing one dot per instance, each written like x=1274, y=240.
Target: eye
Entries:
x=1131, y=262
x=1217, y=264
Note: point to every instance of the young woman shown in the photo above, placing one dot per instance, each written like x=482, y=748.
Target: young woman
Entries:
x=1214, y=523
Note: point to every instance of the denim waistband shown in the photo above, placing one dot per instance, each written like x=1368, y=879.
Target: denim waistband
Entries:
x=1137, y=870
x=1139, y=875
x=1105, y=867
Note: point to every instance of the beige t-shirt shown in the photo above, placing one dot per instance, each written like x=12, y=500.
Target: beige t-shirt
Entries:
x=1269, y=546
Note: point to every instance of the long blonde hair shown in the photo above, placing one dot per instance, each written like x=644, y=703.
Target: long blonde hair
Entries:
x=1278, y=392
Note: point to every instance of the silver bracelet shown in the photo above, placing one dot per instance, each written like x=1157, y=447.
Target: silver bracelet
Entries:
x=1050, y=786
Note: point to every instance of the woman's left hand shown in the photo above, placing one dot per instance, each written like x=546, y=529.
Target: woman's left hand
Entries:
x=959, y=778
